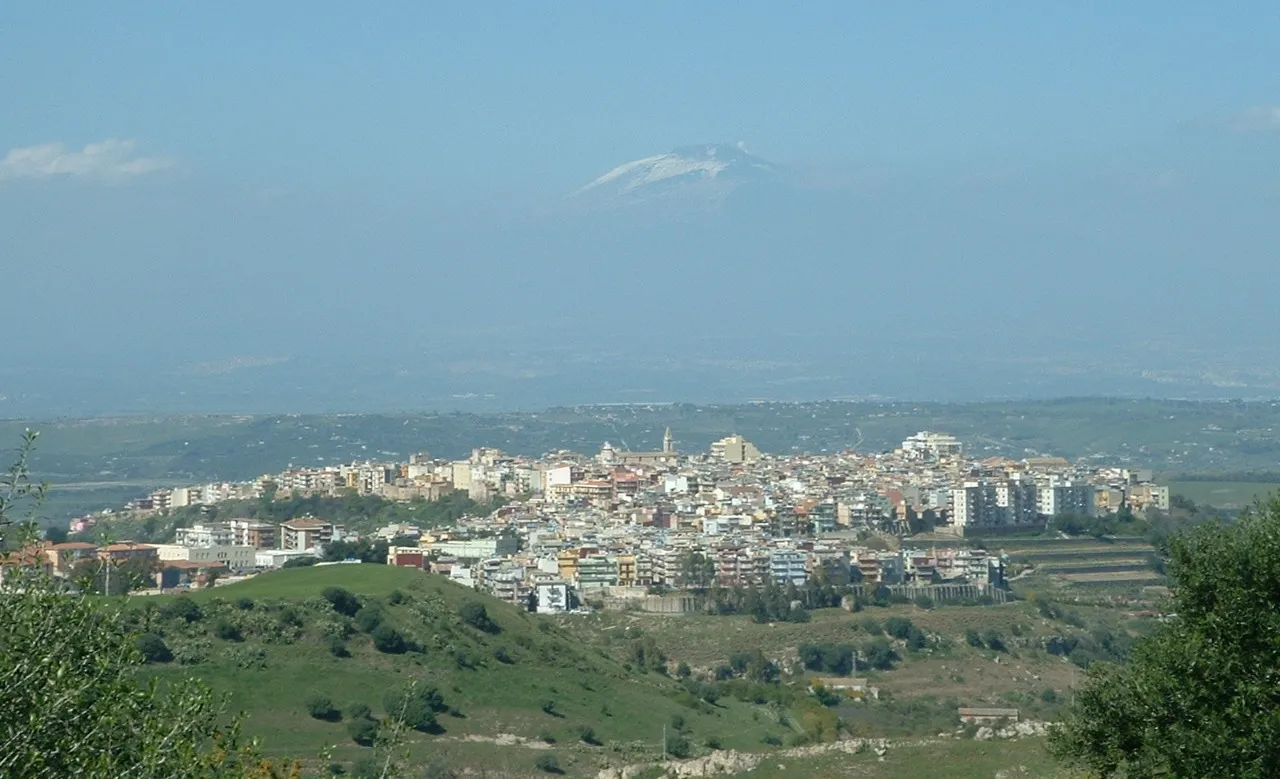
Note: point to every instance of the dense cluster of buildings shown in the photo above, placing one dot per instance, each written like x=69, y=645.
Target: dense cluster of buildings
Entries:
x=625, y=522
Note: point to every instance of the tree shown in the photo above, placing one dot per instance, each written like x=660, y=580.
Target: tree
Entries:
x=387, y=639
x=363, y=731
x=879, y=654
x=74, y=703
x=369, y=618
x=184, y=608
x=1197, y=696
x=344, y=601
x=475, y=615
x=415, y=706
x=153, y=648
x=547, y=763
x=322, y=708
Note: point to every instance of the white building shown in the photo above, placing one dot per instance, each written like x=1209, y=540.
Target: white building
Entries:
x=931, y=446
x=218, y=534
x=476, y=548
x=553, y=598
x=1067, y=498
x=787, y=566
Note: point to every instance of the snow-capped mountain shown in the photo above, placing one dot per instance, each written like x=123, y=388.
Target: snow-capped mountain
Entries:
x=709, y=170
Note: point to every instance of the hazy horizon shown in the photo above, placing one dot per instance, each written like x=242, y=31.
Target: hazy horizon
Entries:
x=323, y=208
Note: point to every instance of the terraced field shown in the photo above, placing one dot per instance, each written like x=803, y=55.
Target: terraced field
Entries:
x=1069, y=566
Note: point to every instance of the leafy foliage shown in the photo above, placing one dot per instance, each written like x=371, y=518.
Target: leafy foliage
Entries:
x=832, y=658
x=389, y=640
x=153, y=648
x=73, y=705
x=322, y=708
x=474, y=614
x=1198, y=695
x=344, y=601
x=363, y=730
x=415, y=706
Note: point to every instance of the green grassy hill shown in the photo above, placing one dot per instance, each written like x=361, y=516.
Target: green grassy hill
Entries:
x=271, y=643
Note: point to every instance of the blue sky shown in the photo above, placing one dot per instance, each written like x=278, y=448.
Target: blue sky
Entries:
x=523, y=95
x=206, y=181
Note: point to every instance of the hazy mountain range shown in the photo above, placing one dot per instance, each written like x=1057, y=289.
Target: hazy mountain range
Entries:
x=702, y=274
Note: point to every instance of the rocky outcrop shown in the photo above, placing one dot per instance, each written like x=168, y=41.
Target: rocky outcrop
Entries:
x=1016, y=730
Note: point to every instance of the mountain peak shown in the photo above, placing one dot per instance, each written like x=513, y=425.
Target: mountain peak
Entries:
x=717, y=167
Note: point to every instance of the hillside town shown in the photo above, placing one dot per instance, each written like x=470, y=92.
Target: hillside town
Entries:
x=624, y=526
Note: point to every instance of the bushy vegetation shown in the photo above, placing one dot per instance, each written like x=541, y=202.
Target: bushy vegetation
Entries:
x=474, y=614
x=321, y=707
x=831, y=658
x=1191, y=699
x=415, y=706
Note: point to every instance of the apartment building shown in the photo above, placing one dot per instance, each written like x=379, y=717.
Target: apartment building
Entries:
x=254, y=533
x=1067, y=498
x=735, y=449
x=214, y=534
x=788, y=566
x=597, y=571
x=305, y=533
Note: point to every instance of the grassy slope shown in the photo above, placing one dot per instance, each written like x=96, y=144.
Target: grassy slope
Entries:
x=493, y=698
x=971, y=676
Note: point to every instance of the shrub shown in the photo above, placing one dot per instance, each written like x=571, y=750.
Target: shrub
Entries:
x=916, y=639
x=713, y=742
x=993, y=640
x=363, y=731
x=338, y=647
x=547, y=763
x=549, y=707
x=336, y=769
x=1049, y=696
x=396, y=598
x=974, y=639
x=191, y=652
x=227, y=630
x=502, y=656
x=588, y=736
x=547, y=737
x=678, y=746
x=300, y=562
x=475, y=615
x=415, y=706
x=897, y=627
x=184, y=608
x=291, y=617
x=359, y=711
x=924, y=602
x=246, y=604
x=369, y=618
x=870, y=626
x=683, y=670
x=388, y=640
x=153, y=648
x=252, y=657
x=322, y=708
x=344, y=601
x=677, y=722
x=880, y=655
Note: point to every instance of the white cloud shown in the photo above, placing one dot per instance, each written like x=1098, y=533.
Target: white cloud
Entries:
x=112, y=159
x=1258, y=119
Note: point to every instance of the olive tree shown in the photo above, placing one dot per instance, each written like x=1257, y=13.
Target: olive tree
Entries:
x=73, y=702
x=1201, y=695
